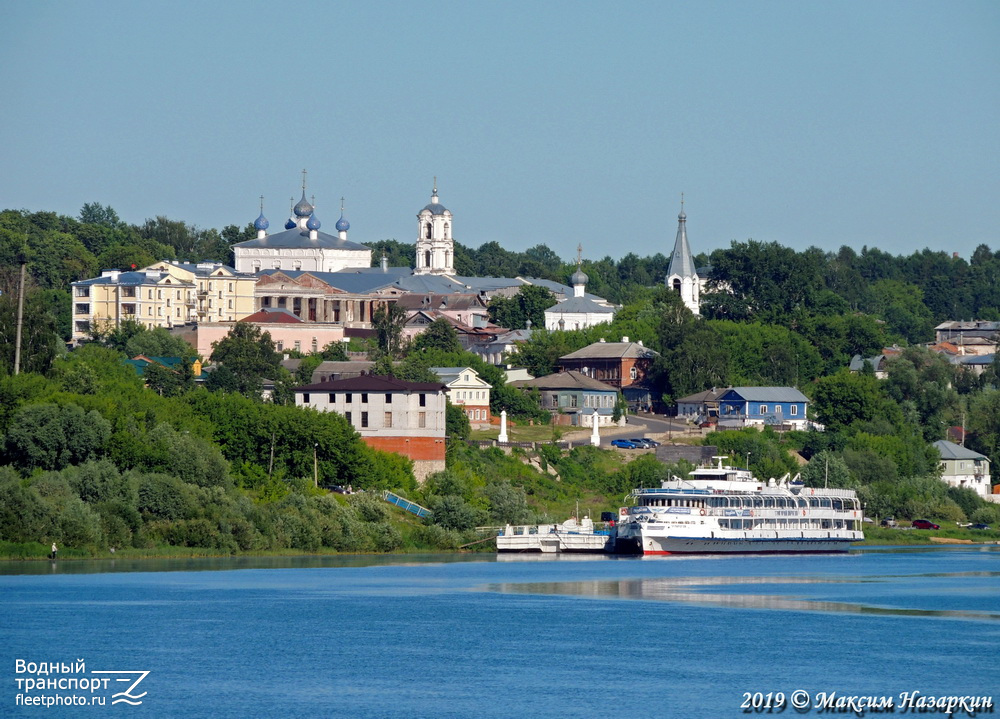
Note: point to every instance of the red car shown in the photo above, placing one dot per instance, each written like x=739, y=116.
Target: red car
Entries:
x=924, y=524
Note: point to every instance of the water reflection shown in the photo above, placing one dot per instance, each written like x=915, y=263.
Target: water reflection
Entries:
x=691, y=590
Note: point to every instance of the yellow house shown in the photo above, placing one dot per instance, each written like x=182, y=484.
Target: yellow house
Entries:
x=165, y=294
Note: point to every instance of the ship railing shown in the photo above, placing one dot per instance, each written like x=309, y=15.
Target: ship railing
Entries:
x=823, y=492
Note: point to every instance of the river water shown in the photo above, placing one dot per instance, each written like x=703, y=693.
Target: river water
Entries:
x=509, y=636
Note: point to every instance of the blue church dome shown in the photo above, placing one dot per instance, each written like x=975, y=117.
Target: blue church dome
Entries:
x=313, y=223
x=290, y=225
x=343, y=225
x=261, y=223
x=302, y=207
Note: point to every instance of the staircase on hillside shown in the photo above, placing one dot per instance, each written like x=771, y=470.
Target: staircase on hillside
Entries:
x=405, y=504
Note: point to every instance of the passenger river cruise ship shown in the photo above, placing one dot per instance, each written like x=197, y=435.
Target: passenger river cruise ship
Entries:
x=721, y=509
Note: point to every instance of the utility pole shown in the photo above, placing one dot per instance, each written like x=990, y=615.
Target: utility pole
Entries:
x=315, y=466
x=20, y=318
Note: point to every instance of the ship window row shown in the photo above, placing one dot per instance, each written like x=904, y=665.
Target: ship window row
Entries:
x=763, y=502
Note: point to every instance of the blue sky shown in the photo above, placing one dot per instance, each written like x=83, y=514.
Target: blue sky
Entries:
x=804, y=123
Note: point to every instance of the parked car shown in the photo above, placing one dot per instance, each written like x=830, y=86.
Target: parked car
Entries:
x=642, y=442
x=652, y=443
x=924, y=524
x=624, y=444
x=980, y=525
x=888, y=522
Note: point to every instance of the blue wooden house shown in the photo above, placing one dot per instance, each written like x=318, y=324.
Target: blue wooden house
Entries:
x=776, y=406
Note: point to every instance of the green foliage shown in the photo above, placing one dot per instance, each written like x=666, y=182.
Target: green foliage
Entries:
x=249, y=354
x=50, y=436
x=439, y=335
x=767, y=455
x=388, y=321
x=40, y=336
x=457, y=424
x=529, y=304
x=844, y=398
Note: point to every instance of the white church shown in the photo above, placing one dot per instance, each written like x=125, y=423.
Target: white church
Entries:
x=682, y=276
x=301, y=245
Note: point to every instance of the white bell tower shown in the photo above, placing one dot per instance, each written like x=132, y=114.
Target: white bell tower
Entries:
x=435, y=244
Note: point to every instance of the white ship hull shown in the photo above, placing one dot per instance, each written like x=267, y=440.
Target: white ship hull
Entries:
x=656, y=543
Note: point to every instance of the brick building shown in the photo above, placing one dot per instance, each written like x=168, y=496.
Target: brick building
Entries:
x=406, y=418
x=623, y=365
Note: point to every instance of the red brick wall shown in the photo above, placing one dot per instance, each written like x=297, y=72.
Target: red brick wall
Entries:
x=416, y=448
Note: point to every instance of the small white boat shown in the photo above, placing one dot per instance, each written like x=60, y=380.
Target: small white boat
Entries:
x=570, y=536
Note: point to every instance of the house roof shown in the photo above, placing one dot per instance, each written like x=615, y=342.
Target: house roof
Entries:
x=858, y=362
x=441, y=301
x=449, y=375
x=273, y=315
x=351, y=282
x=978, y=359
x=580, y=305
x=699, y=397
x=611, y=350
x=298, y=238
x=371, y=383
x=767, y=394
x=950, y=450
x=570, y=379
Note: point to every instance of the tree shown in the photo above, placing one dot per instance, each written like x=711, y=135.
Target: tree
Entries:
x=249, y=354
x=440, y=334
x=48, y=436
x=169, y=382
x=97, y=214
x=334, y=352
x=845, y=398
x=40, y=342
x=388, y=321
x=529, y=304
x=456, y=423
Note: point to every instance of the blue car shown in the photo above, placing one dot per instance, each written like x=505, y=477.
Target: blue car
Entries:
x=623, y=444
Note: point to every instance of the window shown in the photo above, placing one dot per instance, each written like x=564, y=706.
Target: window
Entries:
x=388, y=397
x=364, y=398
x=555, y=400
x=763, y=409
x=633, y=373
x=83, y=292
x=423, y=400
x=83, y=308
x=333, y=397
x=364, y=419
x=572, y=400
x=349, y=397
x=280, y=345
x=388, y=420
x=421, y=419
x=230, y=286
x=794, y=411
x=298, y=345
x=305, y=398
x=347, y=416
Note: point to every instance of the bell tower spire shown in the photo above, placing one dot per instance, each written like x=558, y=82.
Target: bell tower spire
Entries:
x=682, y=277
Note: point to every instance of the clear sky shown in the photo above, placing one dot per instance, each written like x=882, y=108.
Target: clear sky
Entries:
x=806, y=123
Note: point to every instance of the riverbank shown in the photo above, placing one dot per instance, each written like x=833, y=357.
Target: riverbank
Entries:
x=35, y=551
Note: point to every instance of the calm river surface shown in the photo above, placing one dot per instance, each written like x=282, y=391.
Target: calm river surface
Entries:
x=514, y=636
